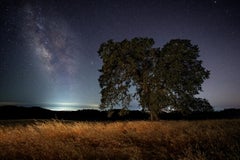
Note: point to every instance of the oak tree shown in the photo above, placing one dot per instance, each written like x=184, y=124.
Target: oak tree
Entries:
x=156, y=78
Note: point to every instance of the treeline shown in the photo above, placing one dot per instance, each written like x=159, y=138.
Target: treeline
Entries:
x=18, y=112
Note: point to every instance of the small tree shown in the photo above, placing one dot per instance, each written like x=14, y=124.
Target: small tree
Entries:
x=170, y=76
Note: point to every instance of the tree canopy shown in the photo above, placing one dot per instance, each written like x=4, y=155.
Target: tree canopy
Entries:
x=156, y=78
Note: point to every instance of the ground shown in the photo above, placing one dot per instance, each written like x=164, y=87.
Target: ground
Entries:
x=45, y=139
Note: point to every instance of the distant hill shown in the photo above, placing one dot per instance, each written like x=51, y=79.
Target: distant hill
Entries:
x=20, y=112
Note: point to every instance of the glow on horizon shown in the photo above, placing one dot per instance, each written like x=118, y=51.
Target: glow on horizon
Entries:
x=66, y=103
x=70, y=106
x=58, y=106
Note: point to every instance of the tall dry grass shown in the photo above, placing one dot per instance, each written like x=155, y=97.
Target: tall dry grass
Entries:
x=212, y=139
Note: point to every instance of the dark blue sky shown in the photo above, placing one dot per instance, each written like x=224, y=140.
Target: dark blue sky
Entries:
x=48, y=50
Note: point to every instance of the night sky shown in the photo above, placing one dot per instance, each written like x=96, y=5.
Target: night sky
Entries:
x=48, y=52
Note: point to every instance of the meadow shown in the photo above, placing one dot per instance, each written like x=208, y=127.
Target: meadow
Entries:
x=194, y=140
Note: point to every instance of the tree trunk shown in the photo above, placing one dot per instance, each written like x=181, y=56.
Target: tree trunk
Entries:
x=153, y=116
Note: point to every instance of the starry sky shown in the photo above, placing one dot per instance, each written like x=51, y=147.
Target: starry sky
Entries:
x=48, y=49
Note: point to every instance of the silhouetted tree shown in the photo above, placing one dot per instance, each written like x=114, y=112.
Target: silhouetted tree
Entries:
x=156, y=77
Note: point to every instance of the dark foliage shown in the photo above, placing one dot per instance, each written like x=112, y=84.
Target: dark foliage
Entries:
x=156, y=78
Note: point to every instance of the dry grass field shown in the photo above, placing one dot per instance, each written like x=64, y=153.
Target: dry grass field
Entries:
x=210, y=139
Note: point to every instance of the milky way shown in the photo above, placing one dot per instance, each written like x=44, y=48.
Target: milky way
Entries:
x=50, y=39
